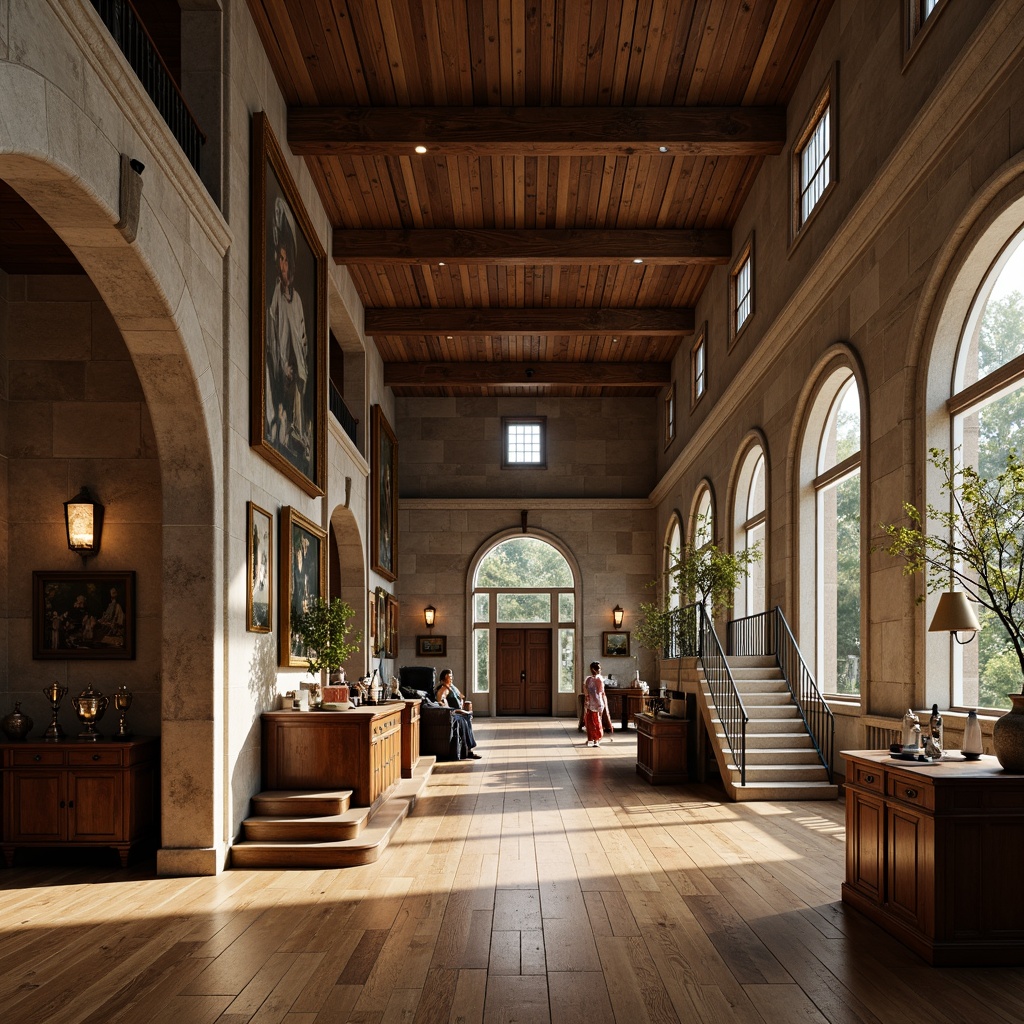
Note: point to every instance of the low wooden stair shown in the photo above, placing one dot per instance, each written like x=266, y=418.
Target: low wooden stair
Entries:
x=782, y=763
x=320, y=828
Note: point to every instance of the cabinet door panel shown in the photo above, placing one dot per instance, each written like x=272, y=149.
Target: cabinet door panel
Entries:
x=94, y=806
x=910, y=868
x=865, y=844
x=35, y=807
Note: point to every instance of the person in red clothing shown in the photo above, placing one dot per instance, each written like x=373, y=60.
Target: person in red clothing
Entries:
x=595, y=704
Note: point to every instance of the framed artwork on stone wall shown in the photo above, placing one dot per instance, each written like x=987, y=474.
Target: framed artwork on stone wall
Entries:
x=303, y=571
x=83, y=615
x=259, y=605
x=384, y=503
x=288, y=321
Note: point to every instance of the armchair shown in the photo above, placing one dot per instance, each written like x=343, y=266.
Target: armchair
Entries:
x=438, y=735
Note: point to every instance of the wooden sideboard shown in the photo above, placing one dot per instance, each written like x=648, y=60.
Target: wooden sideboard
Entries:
x=359, y=749
x=410, y=735
x=932, y=855
x=661, y=749
x=79, y=794
x=624, y=704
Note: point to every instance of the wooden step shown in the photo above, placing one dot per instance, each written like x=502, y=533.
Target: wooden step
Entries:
x=322, y=828
x=785, y=791
x=363, y=848
x=301, y=803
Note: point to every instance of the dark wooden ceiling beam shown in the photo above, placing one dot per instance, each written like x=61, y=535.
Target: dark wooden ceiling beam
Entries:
x=531, y=247
x=537, y=131
x=606, y=375
x=504, y=321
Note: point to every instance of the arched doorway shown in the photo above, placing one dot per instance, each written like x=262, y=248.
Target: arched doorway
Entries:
x=524, y=604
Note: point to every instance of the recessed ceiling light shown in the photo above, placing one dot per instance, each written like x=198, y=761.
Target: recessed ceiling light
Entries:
x=442, y=264
x=614, y=340
x=638, y=260
x=447, y=337
x=421, y=149
x=663, y=149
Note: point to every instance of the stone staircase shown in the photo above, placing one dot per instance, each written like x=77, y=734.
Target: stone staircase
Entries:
x=320, y=828
x=782, y=763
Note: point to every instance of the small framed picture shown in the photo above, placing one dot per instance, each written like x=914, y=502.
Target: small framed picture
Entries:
x=616, y=645
x=431, y=646
x=258, y=605
x=391, y=630
x=86, y=615
x=303, y=570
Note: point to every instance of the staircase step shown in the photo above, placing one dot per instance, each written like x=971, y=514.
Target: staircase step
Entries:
x=782, y=755
x=774, y=740
x=752, y=661
x=785, y=791
x=364, y=848
x=745, y=686
x=301, y=803
x=778, y=772
x=755, y=673
x=324, y=828
x=761, y=698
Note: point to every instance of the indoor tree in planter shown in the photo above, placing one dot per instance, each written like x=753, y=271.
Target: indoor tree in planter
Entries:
x=978, y=544
x=323, y=632
x=703, y=574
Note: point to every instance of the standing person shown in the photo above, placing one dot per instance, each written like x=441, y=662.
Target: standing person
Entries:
x=595, y=703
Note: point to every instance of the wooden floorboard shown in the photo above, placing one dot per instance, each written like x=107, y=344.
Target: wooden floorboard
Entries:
x=544, y=883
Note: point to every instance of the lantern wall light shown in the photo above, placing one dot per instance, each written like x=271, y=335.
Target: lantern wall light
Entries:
x=617, y=614
x=428, y=616
x=83, y=520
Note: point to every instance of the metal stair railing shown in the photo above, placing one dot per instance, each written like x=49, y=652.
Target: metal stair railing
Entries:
x=767, y=634
x=728, y=703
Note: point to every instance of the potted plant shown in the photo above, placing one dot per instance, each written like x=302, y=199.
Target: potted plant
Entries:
x=323, y=630
x=978, y=544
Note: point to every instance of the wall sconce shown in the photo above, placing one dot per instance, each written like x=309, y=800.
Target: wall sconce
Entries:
x=83, y=519
x=428, y=616
x=954, y=615
x=617, y=614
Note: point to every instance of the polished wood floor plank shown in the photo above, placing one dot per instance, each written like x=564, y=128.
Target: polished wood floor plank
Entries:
x=546, y=882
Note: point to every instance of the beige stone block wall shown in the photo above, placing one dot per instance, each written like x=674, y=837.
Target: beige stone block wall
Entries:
x=79, y=418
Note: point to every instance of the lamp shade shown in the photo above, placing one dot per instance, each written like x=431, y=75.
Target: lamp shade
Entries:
x=428, y=616
x=954, y=614
x=617, y=614
x=83, y=519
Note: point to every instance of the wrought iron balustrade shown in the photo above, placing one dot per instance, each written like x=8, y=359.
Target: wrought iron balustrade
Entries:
x=136, y=44
x=339, y=410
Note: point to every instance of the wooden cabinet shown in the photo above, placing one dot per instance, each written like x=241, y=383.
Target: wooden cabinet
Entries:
x=79, y=794
x=410, y=736
x=624, y=703
x=661, y=749
x=930, y=855
x=359, y=749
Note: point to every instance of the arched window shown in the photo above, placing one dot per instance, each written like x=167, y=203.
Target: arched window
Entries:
x=673, y=549
x=987, y=418
x=702, y=521
x=749, y=529
x=837, y=489
x=526, y=583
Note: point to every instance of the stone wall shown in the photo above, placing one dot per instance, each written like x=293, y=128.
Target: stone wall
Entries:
x=77, y=416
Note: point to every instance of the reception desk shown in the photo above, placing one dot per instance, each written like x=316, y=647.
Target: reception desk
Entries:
x=933, y=853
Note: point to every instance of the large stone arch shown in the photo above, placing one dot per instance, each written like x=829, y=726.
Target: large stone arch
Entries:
x=347, y=577
x=165, y=294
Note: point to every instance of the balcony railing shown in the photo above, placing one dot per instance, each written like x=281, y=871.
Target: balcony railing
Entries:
x=135, y=43
x=339, y=410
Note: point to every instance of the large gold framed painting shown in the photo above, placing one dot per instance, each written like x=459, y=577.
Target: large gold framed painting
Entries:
x=384, y=503
x=288, y=315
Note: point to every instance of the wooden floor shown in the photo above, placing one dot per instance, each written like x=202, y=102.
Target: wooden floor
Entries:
x=545, y=882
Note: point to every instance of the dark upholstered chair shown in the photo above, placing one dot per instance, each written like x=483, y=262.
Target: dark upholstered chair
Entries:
x=438, y=736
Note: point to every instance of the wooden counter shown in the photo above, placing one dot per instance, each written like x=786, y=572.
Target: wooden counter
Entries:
x=359, y=749
x=661, y=749
x=932, y=855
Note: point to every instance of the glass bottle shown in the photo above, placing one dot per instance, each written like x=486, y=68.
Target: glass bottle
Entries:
x=971, y=748
x=935, y=726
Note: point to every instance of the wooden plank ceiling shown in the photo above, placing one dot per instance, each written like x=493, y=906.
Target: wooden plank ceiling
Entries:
x=585, y=161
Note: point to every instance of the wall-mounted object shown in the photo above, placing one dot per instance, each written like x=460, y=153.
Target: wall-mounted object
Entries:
x=617, y=614
x=83, y=615
x=83, y=521
x=429, y=614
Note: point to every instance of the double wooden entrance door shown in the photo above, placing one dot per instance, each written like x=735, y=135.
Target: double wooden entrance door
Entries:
x=524, y=671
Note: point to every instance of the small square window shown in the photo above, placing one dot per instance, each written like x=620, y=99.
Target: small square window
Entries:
x=699, y=366
x=741, y=289
x=814, y=156
x=919, y=17
x=524, y=442
x=670, y=415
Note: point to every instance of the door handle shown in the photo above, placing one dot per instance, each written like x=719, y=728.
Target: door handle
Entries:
x=522, y=676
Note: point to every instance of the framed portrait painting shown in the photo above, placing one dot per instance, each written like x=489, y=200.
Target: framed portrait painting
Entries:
x=259, y=614
x=288, y=318
x=83, y=615
x=384, y=503
x=616, y=645
x=380, y=622
x=303, y=571
x=391, y=629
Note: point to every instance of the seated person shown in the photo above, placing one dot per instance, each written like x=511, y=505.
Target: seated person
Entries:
x=447, y=695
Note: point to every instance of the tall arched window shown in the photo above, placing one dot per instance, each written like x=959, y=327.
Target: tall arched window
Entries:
x=987, y=418
x=749, y=529
x=702, y=520
x=524, y=584
x=673, y=549
x=837, y=508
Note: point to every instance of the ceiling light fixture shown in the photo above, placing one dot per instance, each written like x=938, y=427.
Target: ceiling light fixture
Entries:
x=638, y=260
x=663, y=149
x=421, y=149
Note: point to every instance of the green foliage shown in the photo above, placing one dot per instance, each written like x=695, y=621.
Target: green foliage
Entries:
x=703, y=574
x=524, y=562
x=322, y=629
x=978, y=542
